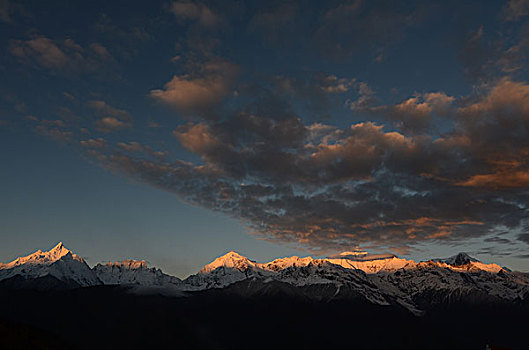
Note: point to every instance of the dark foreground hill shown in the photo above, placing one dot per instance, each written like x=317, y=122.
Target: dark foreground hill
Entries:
x=110, y=317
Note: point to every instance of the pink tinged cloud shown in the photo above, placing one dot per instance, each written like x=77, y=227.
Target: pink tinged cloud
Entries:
x=200, y=91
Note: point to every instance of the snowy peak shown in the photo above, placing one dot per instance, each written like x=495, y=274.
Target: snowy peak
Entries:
x=58, y=262
x=464, y=262
x=133, y=272
x=40, y=257
x=355, y=260
x=59, y=249
x=373, y=264
x=128, y=264
x=232, y=260
x=283, y=263
x=233, y=267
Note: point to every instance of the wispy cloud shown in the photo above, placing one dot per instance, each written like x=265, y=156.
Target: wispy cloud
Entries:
x=64, y=55
x=195, y=11
x=110, y=118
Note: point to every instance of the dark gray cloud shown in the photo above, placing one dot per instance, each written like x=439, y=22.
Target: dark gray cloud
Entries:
x=327, y=187
x=497, y=252
x=497, y=240
x=524, y=237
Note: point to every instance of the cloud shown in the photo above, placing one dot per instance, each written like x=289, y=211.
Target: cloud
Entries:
x=415, y=114
x=110, y=118
x=516, y=9
x=196, y=138
x=497, y=240
x=127, y=33
x=497, y=133
x=317, y=92
x=524, y=237
x=366, y=98
x=319, y=82
x=43, y=50
x=59, y=55
x=321, y=187
x=9, y=8
x=94, y=143
x=483, y=59
x=380, y=212
x=334, y=85
x=189, y=10
x=136, y=147
x=152, y=124
x=198, y=92
x=54, y=133
x=101, y=51
x=56, y=129
x=108, y=124
x=505, y=179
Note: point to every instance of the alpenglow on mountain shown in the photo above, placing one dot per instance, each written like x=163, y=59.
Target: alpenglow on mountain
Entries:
x=377, y=279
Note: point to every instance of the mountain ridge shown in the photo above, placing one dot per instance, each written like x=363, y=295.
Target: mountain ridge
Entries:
x=382, y=280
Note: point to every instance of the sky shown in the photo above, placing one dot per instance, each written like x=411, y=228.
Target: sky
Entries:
x=175, y=131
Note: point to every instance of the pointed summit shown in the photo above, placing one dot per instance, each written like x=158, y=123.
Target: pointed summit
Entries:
x=231, y=260
x=459, y=259
x=464, y=262
x=59, y=246
x=58, y=262
x=232, y=255
x=58, y=251
x=40, y=257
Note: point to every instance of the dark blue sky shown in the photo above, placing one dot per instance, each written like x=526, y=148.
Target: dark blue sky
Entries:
x=175, y=131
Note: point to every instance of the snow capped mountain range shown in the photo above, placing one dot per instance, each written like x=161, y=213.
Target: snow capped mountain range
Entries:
x=62, y=264
x=58, y=262
x=133, y=272
x=378, y=279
